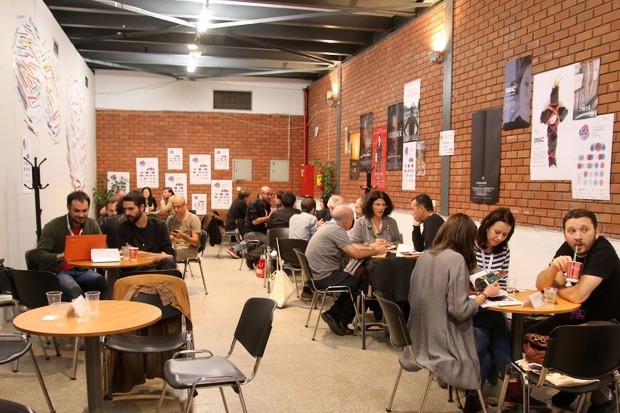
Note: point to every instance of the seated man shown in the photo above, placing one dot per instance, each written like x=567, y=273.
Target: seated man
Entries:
x=184, y=230
x=148, y=234
x=423, y=214
x=51, y=246
x=281, y=216
x=304, y=225
x=325, y=251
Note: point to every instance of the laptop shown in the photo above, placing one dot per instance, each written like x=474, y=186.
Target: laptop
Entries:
x=77, y=247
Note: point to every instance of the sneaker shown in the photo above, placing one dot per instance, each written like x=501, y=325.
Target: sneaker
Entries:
x=233, y=253
x=563, y=399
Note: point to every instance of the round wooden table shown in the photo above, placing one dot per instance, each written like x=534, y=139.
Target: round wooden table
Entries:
x=114, y=317
x=520, y=311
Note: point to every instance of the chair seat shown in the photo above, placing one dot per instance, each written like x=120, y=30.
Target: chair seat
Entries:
x=7, y=406
x=128, y=343
x=585, y=388
x=12, y=350
x=210, y=371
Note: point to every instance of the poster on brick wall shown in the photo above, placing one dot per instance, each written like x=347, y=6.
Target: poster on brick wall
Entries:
x=178, y=183
x=517, y=91
x=586, y=89
x=409, y=166
x=365, y=142
x=411, y=114
x=222, y=158
x=199, y=204
x=379, y=157
x=395, y=137
x=120, y=179
x=175, y=158
x=221, y=194
x=147, y=172
x=354, y=167
x=200, y=169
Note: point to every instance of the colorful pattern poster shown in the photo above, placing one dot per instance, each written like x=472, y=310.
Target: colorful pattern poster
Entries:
x=592, y=165
x=121, y=178
x=147, y=172
x=395, y=137
x=365, y=142
x=222, y=158
x=175, y=158
x=517, y=90
x=178, y=183
x=409, y=165
x=200, y=169
x=379, y=158
x=221, y=194
x=411, y=115
x=199, y=204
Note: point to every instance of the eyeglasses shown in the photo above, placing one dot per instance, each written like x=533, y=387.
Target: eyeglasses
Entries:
x=177, y=206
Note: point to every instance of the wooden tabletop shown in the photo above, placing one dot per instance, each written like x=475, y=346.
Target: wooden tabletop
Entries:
x=114, y=317
x=136, y=262
x=562, y=306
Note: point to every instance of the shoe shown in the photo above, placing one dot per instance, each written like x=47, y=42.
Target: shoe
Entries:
x=345, y=328
x=333, y=324
x=231, y=251
x=514, y=395
x=472, y=404
x=306, y=294
x=563, y=399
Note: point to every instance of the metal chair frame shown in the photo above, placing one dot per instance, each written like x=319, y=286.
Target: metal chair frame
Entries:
x=272, y=238
x=288, y=258
x=241, y=228
x=198, y=258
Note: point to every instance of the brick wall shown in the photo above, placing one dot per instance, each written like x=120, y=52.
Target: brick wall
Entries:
x=124, y=135
x=487, y=34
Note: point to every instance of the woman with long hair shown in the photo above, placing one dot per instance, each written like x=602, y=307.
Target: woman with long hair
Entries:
x=151, y=203
x=441, y=314
x=375, y=223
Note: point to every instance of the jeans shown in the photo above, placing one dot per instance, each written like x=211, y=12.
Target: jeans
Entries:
x=492, y=343
x=75, y=281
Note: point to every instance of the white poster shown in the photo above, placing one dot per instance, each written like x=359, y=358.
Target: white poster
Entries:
x=147, y=172
x=178, y=183
x=221, y=194
x=121, y=178
x=27, y=159
x=409, y=165
x=552, y=125
x=446, y=143
x=199, y=204
x=175, y=158
x=222, y=159
x=411, y=115
x=200, y=169
x=592, y=164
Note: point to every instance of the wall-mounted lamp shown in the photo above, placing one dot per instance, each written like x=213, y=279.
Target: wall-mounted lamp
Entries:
x=331, y=98
x=435, y=56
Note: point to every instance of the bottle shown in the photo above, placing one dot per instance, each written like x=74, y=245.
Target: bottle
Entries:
x=483, y=281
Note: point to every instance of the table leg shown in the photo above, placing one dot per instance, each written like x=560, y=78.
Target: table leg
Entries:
x=93, y=374
x=112, y=277
x=516, y=336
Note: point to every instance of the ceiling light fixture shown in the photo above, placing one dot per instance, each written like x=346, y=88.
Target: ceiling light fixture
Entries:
x=205, y=17
x=191, y=67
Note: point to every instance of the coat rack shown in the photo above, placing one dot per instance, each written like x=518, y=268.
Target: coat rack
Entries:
x=368, y=186
x=36, y=187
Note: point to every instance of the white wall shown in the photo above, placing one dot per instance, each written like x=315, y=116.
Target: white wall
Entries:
x=17, y=224
x=124, y=90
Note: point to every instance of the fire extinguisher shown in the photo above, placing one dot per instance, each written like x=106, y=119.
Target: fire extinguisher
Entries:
x=319, y=181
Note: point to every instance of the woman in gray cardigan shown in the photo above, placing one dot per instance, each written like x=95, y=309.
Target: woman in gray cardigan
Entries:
x=441, y=315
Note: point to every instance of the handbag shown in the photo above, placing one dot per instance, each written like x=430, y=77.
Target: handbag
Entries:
x=259, y=268
x=283, y=288
x=535, y=347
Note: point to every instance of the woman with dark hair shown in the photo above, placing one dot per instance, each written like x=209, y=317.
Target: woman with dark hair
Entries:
x=441, y=314
x=375, y=223
x=151, y=204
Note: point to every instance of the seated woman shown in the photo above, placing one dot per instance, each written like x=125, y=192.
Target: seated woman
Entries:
x=441, y=314
x=493, y=254
x=375, y=224
x=151, y=203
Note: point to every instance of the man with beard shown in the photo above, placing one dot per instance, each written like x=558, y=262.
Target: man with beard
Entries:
x=148, y=234
x=51, y=246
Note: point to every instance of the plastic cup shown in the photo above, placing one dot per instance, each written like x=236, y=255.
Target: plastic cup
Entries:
x=550, y=295
x=53, y=299
x=63, y=310
x=125, y=252
x=133, y=253
x=92, y=299
x=573, y=271
x=511, y=285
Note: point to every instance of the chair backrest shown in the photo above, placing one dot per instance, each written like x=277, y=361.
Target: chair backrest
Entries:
x=174, y=273
x=273, y=234
x=31, y=262
x=306, y=271
x=254, y=326
x=202, y=241
x=399, y=333
x=286, y=247
x=167, y=311
x=12, y=347
x=29, y=286
x=584, y=351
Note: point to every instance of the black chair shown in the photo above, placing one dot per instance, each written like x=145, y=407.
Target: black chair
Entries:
x=228, y=238
x=31, y=262
x=587, y=352
x=290, y=261
x=253, y=330
x=399, y=336
x=7, y=406
x=316, y=292
x=198, y=258
x=272, y=253
x=29, y=288
x=12, y=347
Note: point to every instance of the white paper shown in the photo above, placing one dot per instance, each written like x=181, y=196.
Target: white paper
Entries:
x=501, y=299
x=221, y=194
x=222, y=158
x=200, y=169
x=409, y=166
x=199, y=204
x=175, y=158
x=147, y=172
x=178, y=183
x=119, y=177
x=446, y=143
x=536, y=300
x=26, y=168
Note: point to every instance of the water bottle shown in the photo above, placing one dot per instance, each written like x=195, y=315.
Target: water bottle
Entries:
x=482, y=282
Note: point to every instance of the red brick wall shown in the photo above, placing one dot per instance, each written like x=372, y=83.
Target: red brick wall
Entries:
x=122, y=136
x=487, y=34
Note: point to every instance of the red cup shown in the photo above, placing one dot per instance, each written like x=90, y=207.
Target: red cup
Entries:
x=573, y=271
x=133, y=253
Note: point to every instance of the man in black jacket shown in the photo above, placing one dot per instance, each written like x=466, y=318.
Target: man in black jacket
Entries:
x=423, y=214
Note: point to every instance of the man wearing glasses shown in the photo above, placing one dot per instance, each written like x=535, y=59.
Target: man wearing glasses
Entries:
x=184, y=230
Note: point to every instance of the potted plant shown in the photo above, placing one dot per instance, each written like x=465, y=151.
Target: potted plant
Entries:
x=102, y=194
x=326, y=170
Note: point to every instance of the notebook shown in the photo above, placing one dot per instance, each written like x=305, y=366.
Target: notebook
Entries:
x=77, y=247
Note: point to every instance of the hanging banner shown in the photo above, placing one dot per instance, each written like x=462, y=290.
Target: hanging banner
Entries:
x=411, y=115
x=365, y=142
x=379, y=158
x=517, y=90
x=485, y=156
